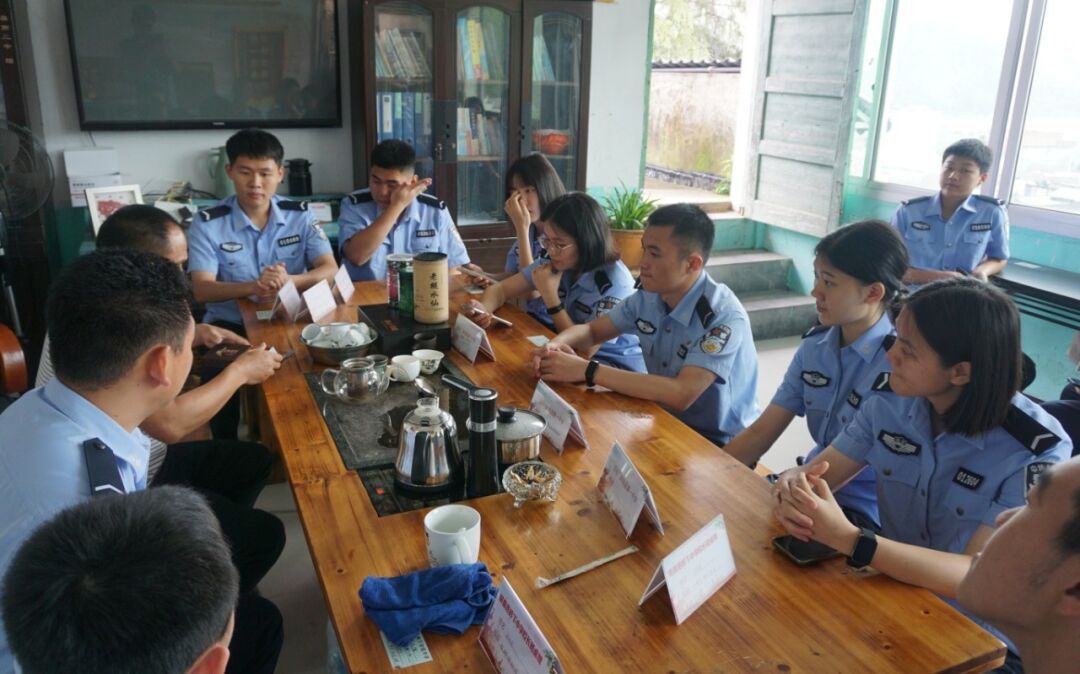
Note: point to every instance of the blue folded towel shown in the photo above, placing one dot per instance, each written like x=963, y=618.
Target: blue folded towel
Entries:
x=445, y=600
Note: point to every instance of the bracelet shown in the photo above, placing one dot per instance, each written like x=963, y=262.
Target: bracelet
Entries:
x=551, y=311
x=590, y=372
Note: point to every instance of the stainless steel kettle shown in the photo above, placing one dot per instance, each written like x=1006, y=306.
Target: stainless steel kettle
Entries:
x=428, y=458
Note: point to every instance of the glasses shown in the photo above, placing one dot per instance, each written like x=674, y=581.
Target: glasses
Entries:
x=550, y=245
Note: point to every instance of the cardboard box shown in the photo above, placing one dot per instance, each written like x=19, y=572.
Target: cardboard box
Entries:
x=93, y=161
x=77, y=185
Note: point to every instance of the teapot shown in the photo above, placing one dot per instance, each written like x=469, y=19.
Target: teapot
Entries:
x=428, y=458
x=356, y=382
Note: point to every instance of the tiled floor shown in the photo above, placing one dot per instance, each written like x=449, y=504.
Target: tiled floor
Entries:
x=292, y=585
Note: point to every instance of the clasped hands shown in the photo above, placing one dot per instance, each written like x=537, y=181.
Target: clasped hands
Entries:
x=270, y=281
x=804, y=504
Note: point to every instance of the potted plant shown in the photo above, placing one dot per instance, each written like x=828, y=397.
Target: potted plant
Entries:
x=628, y=210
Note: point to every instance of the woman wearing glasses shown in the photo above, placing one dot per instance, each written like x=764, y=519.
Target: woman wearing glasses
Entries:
x=581, y=279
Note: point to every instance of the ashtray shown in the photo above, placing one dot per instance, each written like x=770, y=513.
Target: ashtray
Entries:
x=532, y=481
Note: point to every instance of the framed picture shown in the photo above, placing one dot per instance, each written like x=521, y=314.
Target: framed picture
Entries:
x=104, y=201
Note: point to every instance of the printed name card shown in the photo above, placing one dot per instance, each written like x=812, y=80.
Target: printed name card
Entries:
x=562, y=419
x=625, y=492
x=320, y=302
x=343, y=283
x=322, y=211
x=291, y=302
x=511, y=639
x=695, y=570
x=470, y=339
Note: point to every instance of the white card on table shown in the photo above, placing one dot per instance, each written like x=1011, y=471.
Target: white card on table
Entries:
x=322, y=211
x=695, y=570
x=512, y=641
x=538, y=340
x=470, y=339
x=625, y=492
x=415, y=653
x=343, y=283
x=320, y=301
x=291, y=301
x=562, y=419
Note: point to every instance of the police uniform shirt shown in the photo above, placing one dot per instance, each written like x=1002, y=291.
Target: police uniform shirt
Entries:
x=828, y=384
x=534, y=306
x=979, y=229
x=425, y=226
x=708, y=329
x=224, y=242
x=42, y=468
x=593, y=294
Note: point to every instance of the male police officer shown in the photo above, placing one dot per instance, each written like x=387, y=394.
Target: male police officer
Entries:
x=393, y=215
x=694, y=333
x=253, y=243
x=956, y=232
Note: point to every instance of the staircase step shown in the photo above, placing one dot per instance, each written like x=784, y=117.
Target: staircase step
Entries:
x=749, y=270
x=778, y=313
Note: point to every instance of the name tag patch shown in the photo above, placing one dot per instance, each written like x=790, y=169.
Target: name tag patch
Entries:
x=980, y=226
x=582, y=307
x=644, y=326
x=715, y=339
x=231, y=246
x=1032, y=472
x=683, y=350
x=425, y=233
x=854, y=399
x=920, y=225
x=815, y=379
x=898, y=444
x=967, y=478
x=288, y=241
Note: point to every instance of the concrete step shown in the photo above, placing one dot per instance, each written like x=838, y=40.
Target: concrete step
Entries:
x=778, y=313
x=749, y=270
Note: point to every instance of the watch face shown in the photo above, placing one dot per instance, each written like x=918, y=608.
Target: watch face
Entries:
x=865, y=547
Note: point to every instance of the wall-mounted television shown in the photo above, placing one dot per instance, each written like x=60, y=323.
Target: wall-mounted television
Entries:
x=204, y=64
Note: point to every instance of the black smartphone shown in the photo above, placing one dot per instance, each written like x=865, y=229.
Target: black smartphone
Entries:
x=802, y=553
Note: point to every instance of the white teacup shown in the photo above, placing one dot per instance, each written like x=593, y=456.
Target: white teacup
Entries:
x=403, y=368
x=429, y=359
x=453, y=535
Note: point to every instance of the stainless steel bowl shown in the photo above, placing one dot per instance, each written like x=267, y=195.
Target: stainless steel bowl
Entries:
x=335, y=356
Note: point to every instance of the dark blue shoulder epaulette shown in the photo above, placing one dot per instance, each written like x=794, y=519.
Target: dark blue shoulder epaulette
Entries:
x=881, y=382
x=1028, y=431
x=432, y=200
x=993, y=200
x=915, y=200
x=603, y=283
x=361, y=197
x=214, y=212
x=290, y=205
x=637, y=283
x=817, y=329
x=704, y=311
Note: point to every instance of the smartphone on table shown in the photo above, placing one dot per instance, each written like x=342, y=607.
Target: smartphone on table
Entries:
x=803, y=553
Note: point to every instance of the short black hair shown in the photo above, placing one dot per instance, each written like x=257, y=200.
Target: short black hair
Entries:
x=584, y=221
x=106, y=308
x=693, y=226
x=537, y=172
x=254, y=144
x=394, y=154
x=140, y=582
x=973, y=149
x=963, y=319
x=869, y=251
x=138, y=226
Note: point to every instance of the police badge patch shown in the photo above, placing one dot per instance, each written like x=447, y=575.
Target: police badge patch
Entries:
x=815, y=379
x=605, y=304
x=898, y=444
x=231, y=246
x=715, y=339
x=683, y=350
x=854, y=399
x=1032, y=472
x=644, y=326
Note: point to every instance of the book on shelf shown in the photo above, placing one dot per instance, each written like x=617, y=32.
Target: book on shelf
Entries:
x=400, y=54
x=481, y=51
x=406, y=116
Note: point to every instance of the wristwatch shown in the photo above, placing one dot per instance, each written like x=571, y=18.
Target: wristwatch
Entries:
x=865, y=547
x=590, y=372
x=551, y=311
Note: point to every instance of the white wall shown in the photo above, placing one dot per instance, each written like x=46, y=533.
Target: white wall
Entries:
x=619, y=83
x=154, y=159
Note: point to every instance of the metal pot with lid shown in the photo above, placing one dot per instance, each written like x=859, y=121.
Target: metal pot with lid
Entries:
x=518, y=434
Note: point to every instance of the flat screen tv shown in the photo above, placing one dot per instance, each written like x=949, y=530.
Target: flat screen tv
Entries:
x=201, y=64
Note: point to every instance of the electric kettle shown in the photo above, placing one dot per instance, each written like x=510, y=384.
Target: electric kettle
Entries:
x=428, y=458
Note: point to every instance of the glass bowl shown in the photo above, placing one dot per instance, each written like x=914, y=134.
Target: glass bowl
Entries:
x=532, y=481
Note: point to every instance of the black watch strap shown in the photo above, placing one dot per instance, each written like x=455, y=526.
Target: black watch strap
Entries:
x=865, y=547
x=590, y=372
x=556, y=309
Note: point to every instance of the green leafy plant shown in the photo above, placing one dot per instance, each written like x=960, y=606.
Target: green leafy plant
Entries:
x=628, y=209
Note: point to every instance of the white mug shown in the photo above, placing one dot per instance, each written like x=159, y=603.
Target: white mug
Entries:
x=403, y=368
x=453, y=535
x=429, y=359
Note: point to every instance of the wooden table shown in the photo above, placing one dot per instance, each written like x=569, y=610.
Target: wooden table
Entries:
x=771, y=616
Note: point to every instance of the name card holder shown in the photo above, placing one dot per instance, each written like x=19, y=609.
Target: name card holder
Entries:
x=511, y=639
x=470, y=339
x=344, y=284
x=291, y=302
x=320, y=302
x=563, y=421
x=625, y=492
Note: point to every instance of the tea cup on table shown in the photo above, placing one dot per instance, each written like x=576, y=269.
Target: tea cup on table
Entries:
x=429, y=360
x=403, y=368
x=453, y=535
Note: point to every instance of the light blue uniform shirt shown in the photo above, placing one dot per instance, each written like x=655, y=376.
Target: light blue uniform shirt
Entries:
x=594, y=294
x=534, y=306
x=424, y=227
x=977, y=230
x=708, y=329
x=42, y=469
x=224, y=242
x=827, y=384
